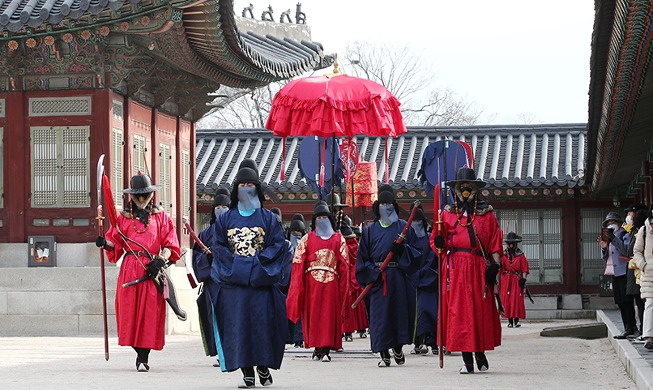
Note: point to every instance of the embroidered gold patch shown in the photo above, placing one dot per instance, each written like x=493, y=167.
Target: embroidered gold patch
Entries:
x=246, y=241
x=326, y=258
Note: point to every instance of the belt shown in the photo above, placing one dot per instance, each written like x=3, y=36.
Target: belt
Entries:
x=392, y=264
x=466, y=250
x=509, y=272
x=138, y=254
x=321, y=268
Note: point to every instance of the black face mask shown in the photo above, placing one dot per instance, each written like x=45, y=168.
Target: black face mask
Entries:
x=512, y=249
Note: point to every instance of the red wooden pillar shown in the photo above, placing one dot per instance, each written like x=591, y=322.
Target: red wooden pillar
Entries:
x=570, y=253
x=16, y=162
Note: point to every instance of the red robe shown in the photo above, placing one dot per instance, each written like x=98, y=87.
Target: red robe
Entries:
x=141, y=309
x=512, y=296
x=355, y=319
x=318, y=289
x=470, y=320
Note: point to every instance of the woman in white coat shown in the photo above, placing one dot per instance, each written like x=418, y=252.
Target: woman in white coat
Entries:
x=644, y=260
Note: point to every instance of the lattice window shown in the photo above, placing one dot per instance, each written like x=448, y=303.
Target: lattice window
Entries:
x=117, y=163
x=116, y=110
x=541, y=232
x=591, y=262
x=2, y=166
x=60, y=166
x=140, y=148
x=60, y=106
x=185, y=177
x=2, y=108
x=164, y=176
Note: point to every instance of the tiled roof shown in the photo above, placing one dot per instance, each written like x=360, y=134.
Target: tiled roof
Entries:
x=513, y=156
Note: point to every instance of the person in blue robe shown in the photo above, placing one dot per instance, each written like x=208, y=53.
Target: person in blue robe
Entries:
x=392, y=297
x=426, y=284
x=202, y=269
x=249, y=265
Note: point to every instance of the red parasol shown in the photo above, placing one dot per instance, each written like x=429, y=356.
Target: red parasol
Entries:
x=334, y=105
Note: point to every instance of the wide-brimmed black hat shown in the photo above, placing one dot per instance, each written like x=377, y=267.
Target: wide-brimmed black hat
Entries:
x=336, y=200
x=140, y=184
x=612, y=216
x=466, y=174
x=512, y=237
x=277, y=212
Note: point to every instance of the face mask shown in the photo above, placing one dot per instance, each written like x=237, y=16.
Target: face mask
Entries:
x=388, y=214
x=294, y=240
x=512, y=248
x=323, y=228
x=418, y=228
x=141, y=200
x=248, y=198
x=629, y=220
x=219, y=211
x=613, y=226
x=466, y=191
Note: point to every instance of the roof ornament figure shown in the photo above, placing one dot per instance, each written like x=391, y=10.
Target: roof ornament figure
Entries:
x=285, y=15
x=267, y=15
x=300, y=17
x=248, y=10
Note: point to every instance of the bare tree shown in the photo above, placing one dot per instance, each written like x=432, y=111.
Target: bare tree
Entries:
x=406, y=75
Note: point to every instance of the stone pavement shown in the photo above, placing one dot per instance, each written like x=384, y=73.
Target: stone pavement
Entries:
x=637, y=360
x=524, y=360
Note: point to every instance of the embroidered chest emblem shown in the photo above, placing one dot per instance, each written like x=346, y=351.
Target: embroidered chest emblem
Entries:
x=246, y=241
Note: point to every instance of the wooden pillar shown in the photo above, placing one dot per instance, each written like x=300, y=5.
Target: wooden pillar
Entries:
x=193, y=185
x=16, y=165
x=570, y=253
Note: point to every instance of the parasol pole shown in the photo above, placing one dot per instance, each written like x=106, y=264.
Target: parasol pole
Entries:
x=333, y=168
x=351, y=178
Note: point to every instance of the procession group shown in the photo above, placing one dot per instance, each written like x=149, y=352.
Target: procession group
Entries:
x=263, y=287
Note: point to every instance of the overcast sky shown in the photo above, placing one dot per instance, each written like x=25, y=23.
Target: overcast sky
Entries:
x=521, y=61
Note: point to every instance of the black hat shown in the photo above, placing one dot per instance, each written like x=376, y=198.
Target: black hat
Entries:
x=297, y=225
x=346, y=231
x=299, y=217
x=612, y=216
x=249, y=163
x=276, y=211
x=140, y=184
x=635, y=207
x=385, y=187
x=321, y=208
x=221, y=197
x=386, y=197
x=336, y=200
x=512, y=237
x=466, y=174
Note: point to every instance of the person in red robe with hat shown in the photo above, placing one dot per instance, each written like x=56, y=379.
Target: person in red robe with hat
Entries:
x=318, y=285
x=514, y=270
x=470, y=236
x=146, y=236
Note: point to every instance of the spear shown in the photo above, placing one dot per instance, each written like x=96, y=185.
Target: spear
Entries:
x=100, y=217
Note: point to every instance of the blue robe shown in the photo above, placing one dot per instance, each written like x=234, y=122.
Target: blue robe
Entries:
x=426, y=279
x=249, y=310
x=392, y=317
x=202, y=269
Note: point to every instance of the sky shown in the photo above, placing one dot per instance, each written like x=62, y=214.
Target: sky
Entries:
x=519, y=61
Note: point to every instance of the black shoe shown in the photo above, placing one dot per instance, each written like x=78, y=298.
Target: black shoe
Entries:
x=348, y=338
x=247, y=383
x=649, y=343
x=264, y=376
x=142, y=367
x=299, y=344
x=624, y=335
x=467, y=369
x=482, y=363
x=385, y=362
x=400, y=358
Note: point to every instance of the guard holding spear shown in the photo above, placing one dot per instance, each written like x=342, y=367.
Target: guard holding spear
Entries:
x=469, y=237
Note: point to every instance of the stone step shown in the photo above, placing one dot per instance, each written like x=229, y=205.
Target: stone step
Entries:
x=556, y=314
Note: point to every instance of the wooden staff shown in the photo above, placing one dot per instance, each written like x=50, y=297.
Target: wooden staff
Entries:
x=104, y=285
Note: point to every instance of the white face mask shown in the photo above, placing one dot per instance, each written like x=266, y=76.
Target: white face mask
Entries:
x=323, y=228
x=629, y=220
x=613, y=226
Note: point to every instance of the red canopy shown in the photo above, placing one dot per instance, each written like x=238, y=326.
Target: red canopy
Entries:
x=335, y=105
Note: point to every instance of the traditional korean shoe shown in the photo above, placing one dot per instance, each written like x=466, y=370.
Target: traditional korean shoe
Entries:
x=299, y=344
x=423, y=349
x=247, y=383
x=467, y=369
x=385, y=362
x=400, y=358
x=362, y=335
x=216, y=363
x=264, y=376
x=348, y=338
x=316, y=357
x=510, y=325
x=142, y=367
x=326, y=358
x=648, y=344
x=482, y=363
x=517, y=324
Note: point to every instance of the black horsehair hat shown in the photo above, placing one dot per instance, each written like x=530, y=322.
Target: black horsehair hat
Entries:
x=335, y=199
x=140, y=184
x=512, y=237
x=466, y=174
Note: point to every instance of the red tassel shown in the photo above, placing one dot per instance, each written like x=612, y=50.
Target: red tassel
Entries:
x=386, y=160
x=283, y=160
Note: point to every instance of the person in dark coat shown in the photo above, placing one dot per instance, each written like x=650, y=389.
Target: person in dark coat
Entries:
x=392, y=297
x=202, y=268
x=426, y=284
x=249, y=265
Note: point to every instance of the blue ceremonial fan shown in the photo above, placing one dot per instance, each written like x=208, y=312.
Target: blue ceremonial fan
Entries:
x=440, y=162
x=315, y=157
